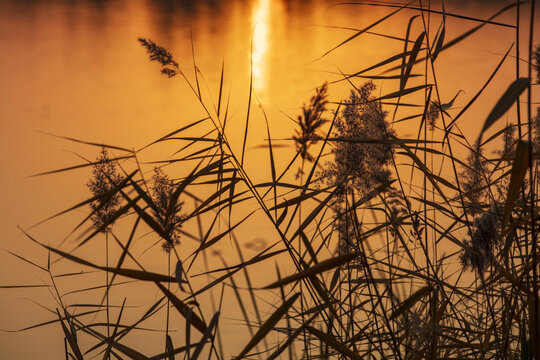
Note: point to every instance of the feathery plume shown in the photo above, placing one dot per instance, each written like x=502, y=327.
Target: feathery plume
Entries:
x=162, y=191
x=161, y=55
x=310, y=121
x=359, y=163
x=472, y=181
x=104, y=179
x=484, y=237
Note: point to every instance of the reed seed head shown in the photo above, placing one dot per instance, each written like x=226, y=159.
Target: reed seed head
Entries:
x=311, y=121
x=170, y=219
x=361, y=151
x=473, y=181
x=483, y=239
x=161, y=55
x=433, y=113
x=104, y=179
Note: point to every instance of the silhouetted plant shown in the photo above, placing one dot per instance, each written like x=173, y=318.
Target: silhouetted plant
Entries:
x=509, y=142
x=170, y=219
x=362, y=150
x=310, y=122
x=536, y=130
x=473, y=181
x=104, y=179
x=161, y=55
x=433, y=113
x=347, y=231
x=536, y=62
x=435, y=108
x=483, y=239
x=421, y=332
x=398, y=208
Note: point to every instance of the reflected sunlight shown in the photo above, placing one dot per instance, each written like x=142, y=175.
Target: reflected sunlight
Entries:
x=261, y=23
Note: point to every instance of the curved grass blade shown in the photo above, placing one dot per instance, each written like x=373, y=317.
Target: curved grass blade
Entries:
x=260, y=257
x=449, y=127
x=314, y=270
x=268, y=325
x=183, y=309
x=79, y=166
x=189, y=179
x=22, y=286
x=510, y=96
x=364, y=30
x=26, y=260
x=129, y=352
x=439, y=37
x=87, y=142
x=131, y=273
x=431, y=177
x=215, y=282
x=218, y=237
x=433, y=11
x=72, y=340
x=299, y=199
x=412, y=59
x=519, y=170
x=336, y=345
x=175, y=132
x=411, y=300
x=282, y=216
x=51, y=321
x=207, y=335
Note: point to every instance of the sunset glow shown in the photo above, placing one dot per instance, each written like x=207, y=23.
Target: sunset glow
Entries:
x=344, y=204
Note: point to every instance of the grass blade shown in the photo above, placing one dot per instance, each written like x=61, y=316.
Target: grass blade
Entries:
x=314, y=270
x=268, y=325
x=519, y=170
x=510, y=96
x=337, y=345
x=183, y=309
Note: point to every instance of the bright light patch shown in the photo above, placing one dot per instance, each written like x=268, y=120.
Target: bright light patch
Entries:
x=261, y=23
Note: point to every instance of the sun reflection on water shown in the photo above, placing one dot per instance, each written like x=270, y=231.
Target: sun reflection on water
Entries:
x=261, y=24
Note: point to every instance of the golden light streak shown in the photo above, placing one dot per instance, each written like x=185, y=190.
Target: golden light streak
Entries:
x=261, y=24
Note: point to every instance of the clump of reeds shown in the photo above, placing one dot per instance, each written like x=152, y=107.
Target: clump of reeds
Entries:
x=362, y=148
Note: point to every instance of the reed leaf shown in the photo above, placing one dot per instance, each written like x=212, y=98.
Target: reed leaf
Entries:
x=183, y=309
x=314, y=270
x=335, y=344
x=269, y=325
x=510, y=96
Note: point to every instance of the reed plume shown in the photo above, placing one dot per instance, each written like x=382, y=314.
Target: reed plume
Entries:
x=168, y=215
x=310, y=122
x=104, y=180
x=362, y=150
